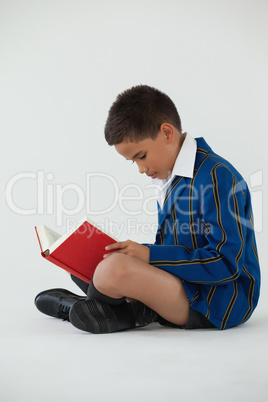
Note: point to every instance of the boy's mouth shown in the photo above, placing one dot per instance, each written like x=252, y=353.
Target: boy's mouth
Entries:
x=153, y=176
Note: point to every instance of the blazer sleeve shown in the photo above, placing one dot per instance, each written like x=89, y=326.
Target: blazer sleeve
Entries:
x=223, y=211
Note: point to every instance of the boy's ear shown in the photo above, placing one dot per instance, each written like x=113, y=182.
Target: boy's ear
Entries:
x=168, y=131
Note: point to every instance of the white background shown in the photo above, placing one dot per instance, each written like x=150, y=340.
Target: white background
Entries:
x=62, y=65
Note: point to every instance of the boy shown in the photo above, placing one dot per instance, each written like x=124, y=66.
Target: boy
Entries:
x=203, y=270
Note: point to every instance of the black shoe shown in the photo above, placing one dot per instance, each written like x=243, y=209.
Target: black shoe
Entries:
x=99, y=317
x=143, y=315
x=57, y=302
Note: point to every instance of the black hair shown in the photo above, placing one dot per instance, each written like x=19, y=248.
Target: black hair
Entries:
x=138, y=113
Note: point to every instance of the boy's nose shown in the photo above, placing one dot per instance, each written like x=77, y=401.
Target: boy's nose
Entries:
x=143, y=169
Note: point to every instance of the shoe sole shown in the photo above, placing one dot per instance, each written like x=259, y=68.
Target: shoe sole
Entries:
x=99, y=317
x=94, y=316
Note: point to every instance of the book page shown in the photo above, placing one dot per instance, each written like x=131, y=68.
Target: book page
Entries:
x=47, y=237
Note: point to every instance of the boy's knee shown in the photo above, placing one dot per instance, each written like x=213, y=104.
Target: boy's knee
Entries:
x=111, y=272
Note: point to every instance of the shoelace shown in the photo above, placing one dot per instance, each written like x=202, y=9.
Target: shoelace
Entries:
x=64, y=312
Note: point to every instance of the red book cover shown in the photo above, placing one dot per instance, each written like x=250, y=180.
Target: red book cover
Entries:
x=79, y=252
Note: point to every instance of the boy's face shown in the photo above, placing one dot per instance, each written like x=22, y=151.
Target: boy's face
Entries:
x=156, y=157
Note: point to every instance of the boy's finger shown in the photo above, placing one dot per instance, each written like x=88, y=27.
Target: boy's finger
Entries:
x=107, y=255
x=120, y=251
x=113, y=246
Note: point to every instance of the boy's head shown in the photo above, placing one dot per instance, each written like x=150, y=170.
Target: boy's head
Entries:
x=138, y=113
x=145, y=127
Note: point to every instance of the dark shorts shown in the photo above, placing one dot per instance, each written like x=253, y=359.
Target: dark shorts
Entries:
x=195, y=320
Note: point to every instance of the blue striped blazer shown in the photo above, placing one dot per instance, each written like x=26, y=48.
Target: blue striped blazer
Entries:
x=206, y=237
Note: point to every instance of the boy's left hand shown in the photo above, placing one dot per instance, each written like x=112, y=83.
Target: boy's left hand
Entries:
x=130, y=248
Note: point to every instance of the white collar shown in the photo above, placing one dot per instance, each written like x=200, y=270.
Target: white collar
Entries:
x=183, y=166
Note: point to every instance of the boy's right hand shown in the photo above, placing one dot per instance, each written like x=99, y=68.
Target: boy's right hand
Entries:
x=130, y=248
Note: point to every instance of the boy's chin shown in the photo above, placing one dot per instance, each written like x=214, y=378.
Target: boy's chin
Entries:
x=163, y=176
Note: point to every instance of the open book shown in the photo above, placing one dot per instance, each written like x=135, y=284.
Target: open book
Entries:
x=78, y=252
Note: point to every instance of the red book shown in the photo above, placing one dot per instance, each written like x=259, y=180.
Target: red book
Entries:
x=78, y=252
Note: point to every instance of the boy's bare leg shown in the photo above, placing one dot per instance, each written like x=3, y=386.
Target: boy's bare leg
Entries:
x=120, y=275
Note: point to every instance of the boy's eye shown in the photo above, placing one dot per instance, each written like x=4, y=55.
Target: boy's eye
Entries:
x=141, y=157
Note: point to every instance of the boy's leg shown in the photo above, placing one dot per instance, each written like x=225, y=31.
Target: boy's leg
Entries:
x=120, y=275
x=81, y=284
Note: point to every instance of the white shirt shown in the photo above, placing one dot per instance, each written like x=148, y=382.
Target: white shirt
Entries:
x=183, y=166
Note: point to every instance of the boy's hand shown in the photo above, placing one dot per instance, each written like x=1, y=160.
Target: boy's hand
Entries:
x=130, y=248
